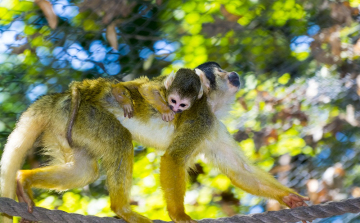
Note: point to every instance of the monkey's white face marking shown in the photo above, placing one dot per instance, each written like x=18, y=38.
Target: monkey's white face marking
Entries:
x=178, y=104
x=228, y=84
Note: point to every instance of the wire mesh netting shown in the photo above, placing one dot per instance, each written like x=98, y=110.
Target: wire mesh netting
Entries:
x=297, y=114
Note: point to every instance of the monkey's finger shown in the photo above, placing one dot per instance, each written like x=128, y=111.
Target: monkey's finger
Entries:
x=298, y=198
x=170, y=118
x=130, y=112
x=127, y=111
x=164, y=117
x=303, y=204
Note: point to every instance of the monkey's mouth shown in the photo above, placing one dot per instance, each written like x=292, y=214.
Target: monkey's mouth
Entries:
x=234, y=79
x=172, y=109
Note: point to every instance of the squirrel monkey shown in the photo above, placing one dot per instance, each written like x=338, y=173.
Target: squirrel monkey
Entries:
x=101, y=131
x=175, y=94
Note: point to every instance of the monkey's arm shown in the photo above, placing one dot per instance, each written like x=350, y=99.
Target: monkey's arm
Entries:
x=155, y=96
x=121, y=93
x=226, y=154
x=123, y=97
x=173, y=174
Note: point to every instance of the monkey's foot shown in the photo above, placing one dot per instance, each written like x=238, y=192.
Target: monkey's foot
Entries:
x=133, y=217
x=128, y=110
x=182, y=218
x=294, y=201
x=24, y=196
x=168, y=116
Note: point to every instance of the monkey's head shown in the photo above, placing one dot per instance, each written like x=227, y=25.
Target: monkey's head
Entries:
x=220, y=85
x=183, y=88
x=218, y=77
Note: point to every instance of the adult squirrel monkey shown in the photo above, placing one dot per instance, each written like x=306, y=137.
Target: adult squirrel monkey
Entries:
x=100, y=131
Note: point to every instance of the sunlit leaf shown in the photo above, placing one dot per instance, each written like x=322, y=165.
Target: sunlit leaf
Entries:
x=284, y=79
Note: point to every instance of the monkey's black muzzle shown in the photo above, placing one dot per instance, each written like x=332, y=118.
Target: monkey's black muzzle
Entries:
x=234, y=79
x=172, y=109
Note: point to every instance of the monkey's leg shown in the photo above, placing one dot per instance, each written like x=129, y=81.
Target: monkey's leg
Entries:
x=173, y=183
x=226, y=154
x=118, y=167
x=106, y=139
x=78, y=173
x=153, y=94
x=173, y=166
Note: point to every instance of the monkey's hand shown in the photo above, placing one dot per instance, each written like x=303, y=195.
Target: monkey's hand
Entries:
x=168, y=115
x=294, y=201
x=128, y=110
x=24, y=197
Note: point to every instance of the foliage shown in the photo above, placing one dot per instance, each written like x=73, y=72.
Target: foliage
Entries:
x=297, y=114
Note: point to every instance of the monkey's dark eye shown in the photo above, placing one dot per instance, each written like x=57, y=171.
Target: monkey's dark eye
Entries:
x=182, y=105
x=173, y=101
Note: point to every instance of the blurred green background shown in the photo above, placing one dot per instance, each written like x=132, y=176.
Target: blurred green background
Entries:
x=297, y=114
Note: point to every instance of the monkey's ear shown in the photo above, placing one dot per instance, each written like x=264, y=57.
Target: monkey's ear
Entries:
x=205, y=83
x=169, y=79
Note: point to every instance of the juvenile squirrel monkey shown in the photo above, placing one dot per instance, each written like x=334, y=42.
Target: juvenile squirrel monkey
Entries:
x=101, y=131
x=173, y=95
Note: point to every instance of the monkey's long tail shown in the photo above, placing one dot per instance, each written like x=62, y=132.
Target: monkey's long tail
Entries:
x=20, y=141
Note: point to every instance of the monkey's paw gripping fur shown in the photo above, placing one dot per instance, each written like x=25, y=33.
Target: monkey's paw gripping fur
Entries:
x=310, y=213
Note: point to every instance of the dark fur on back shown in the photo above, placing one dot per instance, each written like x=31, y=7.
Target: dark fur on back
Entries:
x=208, y=69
